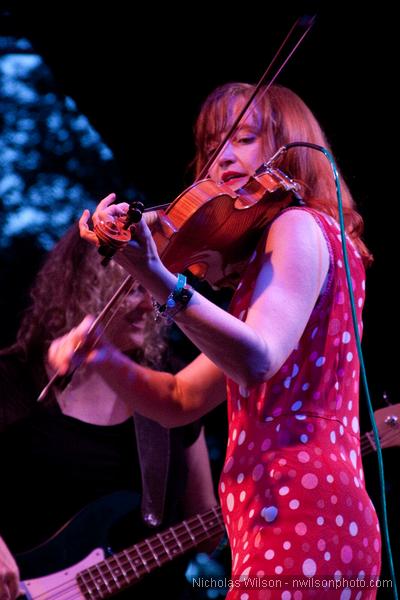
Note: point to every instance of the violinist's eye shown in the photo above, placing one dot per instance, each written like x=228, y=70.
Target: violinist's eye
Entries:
x=246, y=139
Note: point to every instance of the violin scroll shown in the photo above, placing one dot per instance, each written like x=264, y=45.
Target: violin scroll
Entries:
x=115, y=233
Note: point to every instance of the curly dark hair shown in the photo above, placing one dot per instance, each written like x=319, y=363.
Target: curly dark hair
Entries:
x=70, y=285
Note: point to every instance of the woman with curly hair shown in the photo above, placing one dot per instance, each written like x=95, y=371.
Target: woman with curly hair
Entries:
x=83, y=443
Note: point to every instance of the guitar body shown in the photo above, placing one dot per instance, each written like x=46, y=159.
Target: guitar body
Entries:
x=62, y=584
x=95, y=526
x=83, y=560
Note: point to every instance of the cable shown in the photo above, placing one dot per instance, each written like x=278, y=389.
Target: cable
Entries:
x=332, y=163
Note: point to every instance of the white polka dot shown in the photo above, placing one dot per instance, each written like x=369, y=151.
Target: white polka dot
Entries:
x=346, y=337
x=327, y=556
x=349, y=356
x=286, y=595
x=269, y=554
x=314, y=333
x=353, y=458
x=234, y=434
x=258, y=472
x=309, y=567
x=244, y=596
x=353, y=528
x=330, y=479
x=230, y=502
x=295, y=370
x=287, y=545
x=320, y=520
x=333, y=437
x=346, y=594
x=286, y=383
x=269, y=513
x=309, y=481
x=265, y=445
x=320, y=361
x=278, y=569
x=305, y=386
x=303, y=457
x=240, y=478
x=339, y=520
x=354, y=425
x=245, y=574
x=283, y=491
x=346, y=554
x=222, y=487
x=228, y=464
x=293, y=504
x=304, y=438
x=296, y=405
x=242, y=496
x=242, y=437
x=300, y=528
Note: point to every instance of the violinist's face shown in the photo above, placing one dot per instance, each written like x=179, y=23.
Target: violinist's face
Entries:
x=128, y=328
x=240, y=157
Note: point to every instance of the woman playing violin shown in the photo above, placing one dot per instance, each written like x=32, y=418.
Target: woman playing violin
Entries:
x=292, y=488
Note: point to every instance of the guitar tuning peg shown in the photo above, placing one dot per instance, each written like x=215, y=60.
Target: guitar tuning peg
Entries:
x=386, y=399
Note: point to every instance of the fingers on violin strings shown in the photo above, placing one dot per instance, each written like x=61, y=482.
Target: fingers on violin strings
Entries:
x=107, y=207
x=84, y=230
x=151, y=217
x=106, y=201
x=141, y=230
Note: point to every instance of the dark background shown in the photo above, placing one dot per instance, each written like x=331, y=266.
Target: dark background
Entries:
x=140, y=77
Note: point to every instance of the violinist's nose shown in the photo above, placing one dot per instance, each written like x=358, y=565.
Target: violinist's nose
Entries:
x=226, y=156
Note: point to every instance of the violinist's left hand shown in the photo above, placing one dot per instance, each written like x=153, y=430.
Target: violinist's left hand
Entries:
x=140, y=256
x=106, y=211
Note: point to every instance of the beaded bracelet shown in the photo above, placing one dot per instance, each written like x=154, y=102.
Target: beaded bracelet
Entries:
x=176, y=301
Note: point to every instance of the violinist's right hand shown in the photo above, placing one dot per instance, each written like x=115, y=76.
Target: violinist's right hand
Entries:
x=9, y=574
x=78, y=346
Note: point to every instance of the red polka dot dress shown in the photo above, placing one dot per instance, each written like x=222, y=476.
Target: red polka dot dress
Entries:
x=292, y=488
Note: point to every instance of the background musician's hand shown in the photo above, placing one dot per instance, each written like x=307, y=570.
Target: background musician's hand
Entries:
x=9, y=574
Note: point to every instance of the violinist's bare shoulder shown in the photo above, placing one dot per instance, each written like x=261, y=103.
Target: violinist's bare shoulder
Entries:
x=292, y=275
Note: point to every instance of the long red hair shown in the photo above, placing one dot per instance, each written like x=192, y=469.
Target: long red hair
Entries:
x=282, y=117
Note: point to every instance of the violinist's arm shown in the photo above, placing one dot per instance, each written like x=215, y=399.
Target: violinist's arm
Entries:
x=296, y=262
x=172, y=400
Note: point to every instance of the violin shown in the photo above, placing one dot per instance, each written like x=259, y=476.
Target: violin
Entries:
x=211, y=230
